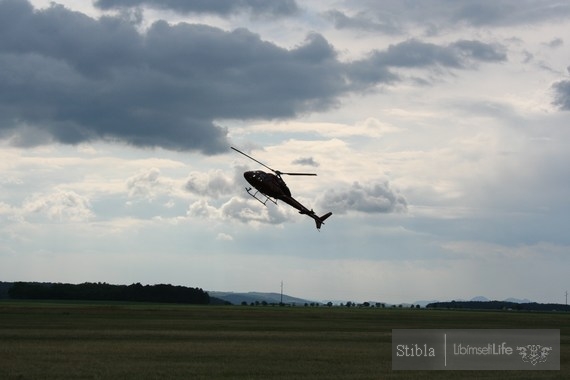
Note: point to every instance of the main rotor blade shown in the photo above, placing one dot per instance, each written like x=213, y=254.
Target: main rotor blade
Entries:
x=259, y=162
x=297, y=173
x=273, y=170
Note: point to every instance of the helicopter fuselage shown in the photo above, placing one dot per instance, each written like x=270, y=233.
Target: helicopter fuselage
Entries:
x=273, y=186
x=268, y=184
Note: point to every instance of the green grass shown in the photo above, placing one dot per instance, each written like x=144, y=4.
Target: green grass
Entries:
x=78, y=340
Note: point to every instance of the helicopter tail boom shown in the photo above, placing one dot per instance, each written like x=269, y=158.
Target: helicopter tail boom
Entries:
x=319, y=220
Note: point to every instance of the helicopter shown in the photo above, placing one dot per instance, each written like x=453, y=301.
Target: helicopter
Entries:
x=274, y=188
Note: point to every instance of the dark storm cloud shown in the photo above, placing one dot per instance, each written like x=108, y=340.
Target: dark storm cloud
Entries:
x=507, y=12
x=220, y=7
x=414, y=53
x=371, y=198
x=76, y=78
x=395, y=16
x=417, y=54
x=70, y=78
x=562, y=94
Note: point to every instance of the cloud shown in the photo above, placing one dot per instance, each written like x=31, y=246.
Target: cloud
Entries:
x=219, y=7
x=60, y=206
x=555, y=43
x=370, y=198
x=370, y=128
x=101, y=79
x=71, y=78
x=145, y=185
x=8, y=211
x=308, y=161
x=562, y=94
x=436, y=15
x=213, y=183
x=239, y=209
x=414, y=53
x=364, y=21
x=202, y=209
x=492, y=251
x=224, y=237
x=93, y=79
x=459, y=54
x=508, y=13
x=247, y=212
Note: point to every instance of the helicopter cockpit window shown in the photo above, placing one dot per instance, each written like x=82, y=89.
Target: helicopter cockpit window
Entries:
x=257, y=176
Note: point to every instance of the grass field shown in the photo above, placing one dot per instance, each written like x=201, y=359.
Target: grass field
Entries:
x=75, y=340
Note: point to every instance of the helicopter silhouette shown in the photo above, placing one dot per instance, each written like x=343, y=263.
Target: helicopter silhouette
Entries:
x=274, y=188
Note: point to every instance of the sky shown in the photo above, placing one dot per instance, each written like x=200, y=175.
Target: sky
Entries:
x=439, y=131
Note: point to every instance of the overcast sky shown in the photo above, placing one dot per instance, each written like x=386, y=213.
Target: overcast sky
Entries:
x=439, y=131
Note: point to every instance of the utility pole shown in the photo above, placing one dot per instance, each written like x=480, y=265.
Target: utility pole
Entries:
x=567, y=298
x=281, y=302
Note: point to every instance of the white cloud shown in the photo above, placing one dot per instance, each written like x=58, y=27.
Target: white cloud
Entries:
x=250, y=211
x=145, y=184
x=370, y=128
x=202, y=209
x=224, y=237
x=376, y=197
x=214, y=183
x=149, y=184
x=62, y=206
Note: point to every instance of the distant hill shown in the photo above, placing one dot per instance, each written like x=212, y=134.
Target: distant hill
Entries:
x=253, y=297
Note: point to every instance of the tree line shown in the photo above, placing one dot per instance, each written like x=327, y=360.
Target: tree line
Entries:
x=499, y=305
x=106, y=292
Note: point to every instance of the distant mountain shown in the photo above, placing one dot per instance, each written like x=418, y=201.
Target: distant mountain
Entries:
x=480, y=299
x=253, y=297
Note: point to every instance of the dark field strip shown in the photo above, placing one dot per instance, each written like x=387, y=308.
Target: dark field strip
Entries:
x=77, y=340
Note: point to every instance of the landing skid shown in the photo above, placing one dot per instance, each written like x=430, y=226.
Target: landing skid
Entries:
x=248, y=189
